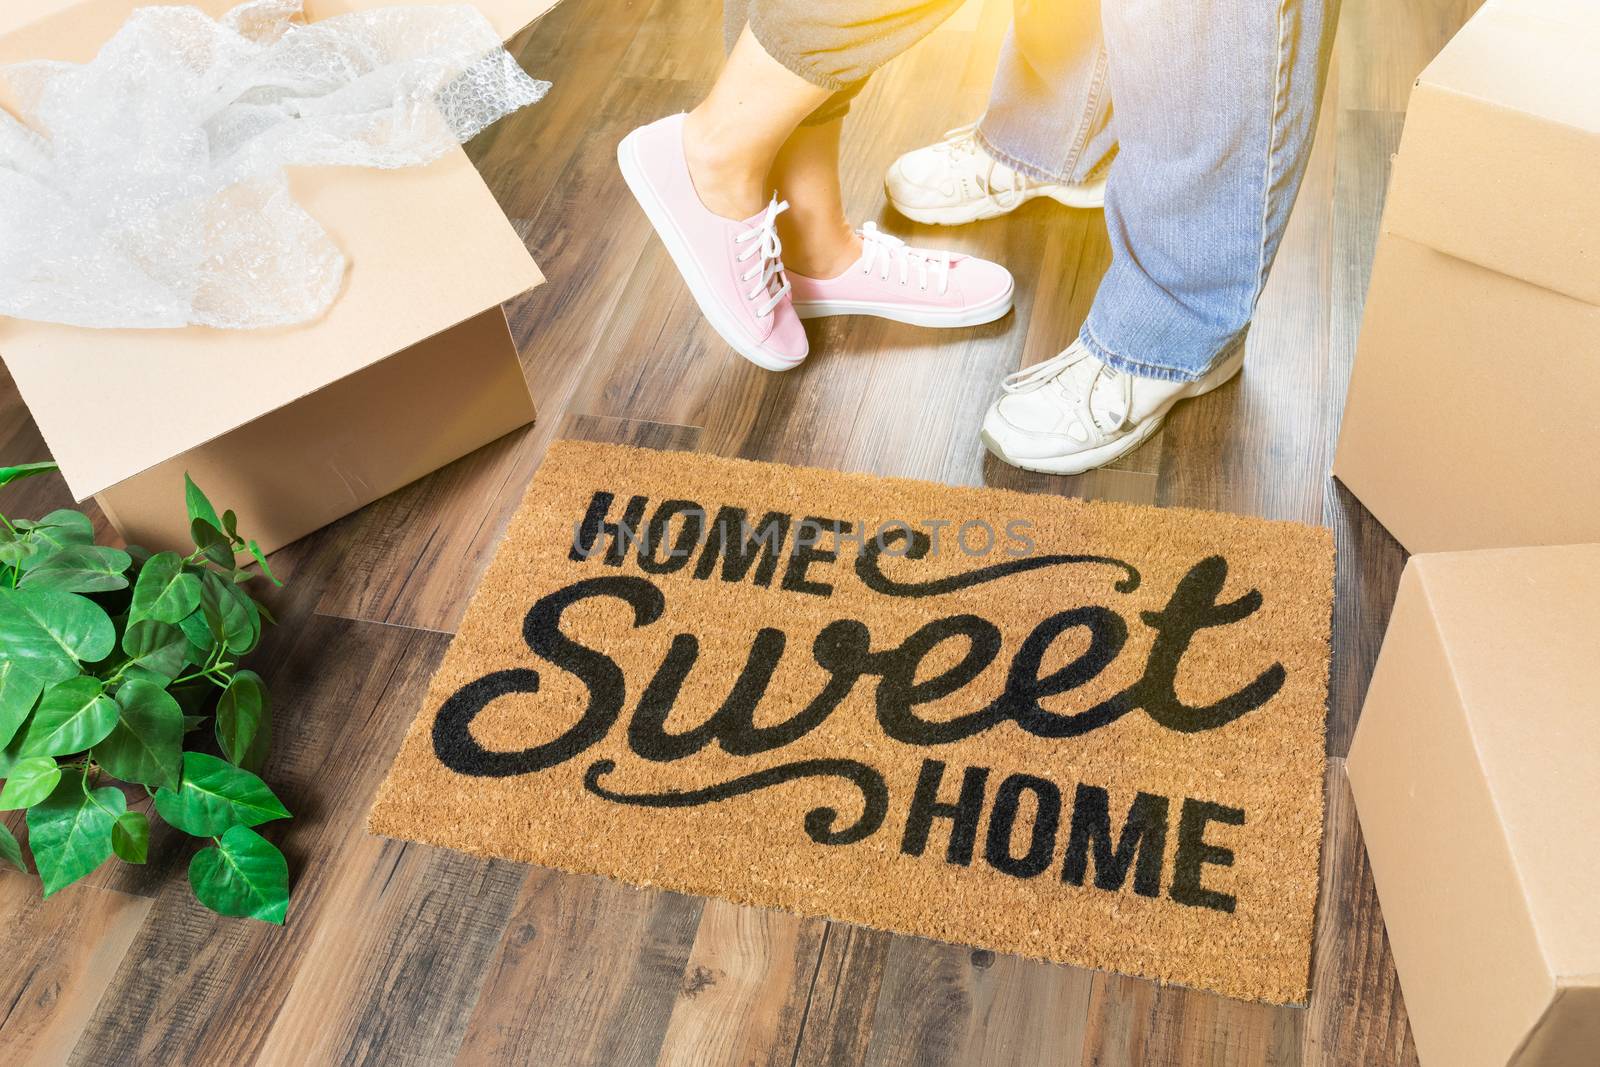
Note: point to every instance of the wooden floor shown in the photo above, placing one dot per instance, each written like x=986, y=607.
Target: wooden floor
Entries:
x=397, y=953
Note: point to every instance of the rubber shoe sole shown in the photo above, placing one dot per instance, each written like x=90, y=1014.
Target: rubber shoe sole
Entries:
x=1088, y=197
x=936, y=317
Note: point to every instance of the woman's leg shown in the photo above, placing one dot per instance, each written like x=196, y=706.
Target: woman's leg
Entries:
x=733, y=137
x=818, y=239
x=703, y=178
x=820, y=247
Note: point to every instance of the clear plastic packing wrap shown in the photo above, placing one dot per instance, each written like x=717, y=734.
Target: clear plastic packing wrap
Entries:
x=146, y=188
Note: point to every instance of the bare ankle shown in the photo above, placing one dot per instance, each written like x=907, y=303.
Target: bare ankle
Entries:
x=728, y=185
x=818, y=250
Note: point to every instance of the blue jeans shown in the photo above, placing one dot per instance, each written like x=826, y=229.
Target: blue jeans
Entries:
x=1215, y=102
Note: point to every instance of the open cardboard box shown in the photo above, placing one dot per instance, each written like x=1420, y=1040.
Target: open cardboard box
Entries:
x=412, y=367
x=1476, y=774
x=1474, y=411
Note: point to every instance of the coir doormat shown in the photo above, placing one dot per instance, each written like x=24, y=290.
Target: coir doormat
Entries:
x=1088, y=732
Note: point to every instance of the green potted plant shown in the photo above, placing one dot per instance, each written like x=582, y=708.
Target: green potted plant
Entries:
x=112, y=664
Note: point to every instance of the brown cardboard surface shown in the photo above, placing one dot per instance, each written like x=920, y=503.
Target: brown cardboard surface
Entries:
x=98, y=19
x=1522, y=629
x=426, y=248
x=15, y=16
x=1474, y=407
x=1501, y=145
x=300, y=467
x=669, y=780
x=293, y=427
x=508, y=17
x=1569, y=1033
x=1476, y=773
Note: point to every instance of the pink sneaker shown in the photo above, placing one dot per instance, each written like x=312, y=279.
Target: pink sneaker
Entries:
x=733, y=268
x=895, y=281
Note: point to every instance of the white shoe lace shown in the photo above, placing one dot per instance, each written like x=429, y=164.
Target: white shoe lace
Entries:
x=962, y=147
x=880, y=251
x=767, y=251
x=1076, y=373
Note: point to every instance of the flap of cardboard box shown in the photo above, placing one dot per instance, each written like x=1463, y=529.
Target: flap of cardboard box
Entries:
x=1501, y=147
x=1518, y=627
x=426, y=249
x=506, y=16
x=96, y=20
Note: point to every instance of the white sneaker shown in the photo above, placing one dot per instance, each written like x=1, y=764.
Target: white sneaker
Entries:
x=955, y=181
x=1073, y=413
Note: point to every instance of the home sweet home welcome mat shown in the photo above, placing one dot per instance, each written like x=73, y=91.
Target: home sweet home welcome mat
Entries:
x=1081, y=731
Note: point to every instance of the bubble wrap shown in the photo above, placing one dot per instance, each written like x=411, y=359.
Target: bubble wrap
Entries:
x=146, y=188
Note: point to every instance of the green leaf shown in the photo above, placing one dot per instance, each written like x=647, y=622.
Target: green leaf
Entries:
x=229, y=613
x=15, y=552
x=261, y=558
x=199, y=506
x=133, y=672
x=10, y=756
x=216, y=795
x=79, y=569
x=47, y=633
x=147, y=744
x=10, y=850
x=211, y=542
x=158, y=647
x=191, y=723
x=253, y=611
x=25, y=470
x=61, y=528
x=244, y=876
x=197, y=629
x=164, y=592
x=230, y=526
x=194, y=697
x=70, y=833
x=242, y=710
x=19, y=690
x=73, y=715
x=30, y=781
x=130, y=836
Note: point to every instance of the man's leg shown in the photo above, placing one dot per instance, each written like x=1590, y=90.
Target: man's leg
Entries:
x=1047, y=131
x=1049, y=113
x=1216, y=102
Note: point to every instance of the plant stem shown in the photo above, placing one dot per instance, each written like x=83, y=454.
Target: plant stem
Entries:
x=213, y=663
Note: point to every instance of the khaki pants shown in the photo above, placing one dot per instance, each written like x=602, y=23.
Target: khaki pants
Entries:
x=834, y=44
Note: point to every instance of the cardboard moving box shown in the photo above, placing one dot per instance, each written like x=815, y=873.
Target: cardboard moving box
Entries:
x=412, y=367
x=1473, y=419
x=1476, y=774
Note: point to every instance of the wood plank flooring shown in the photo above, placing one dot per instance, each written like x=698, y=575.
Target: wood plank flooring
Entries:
x=397, y=953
